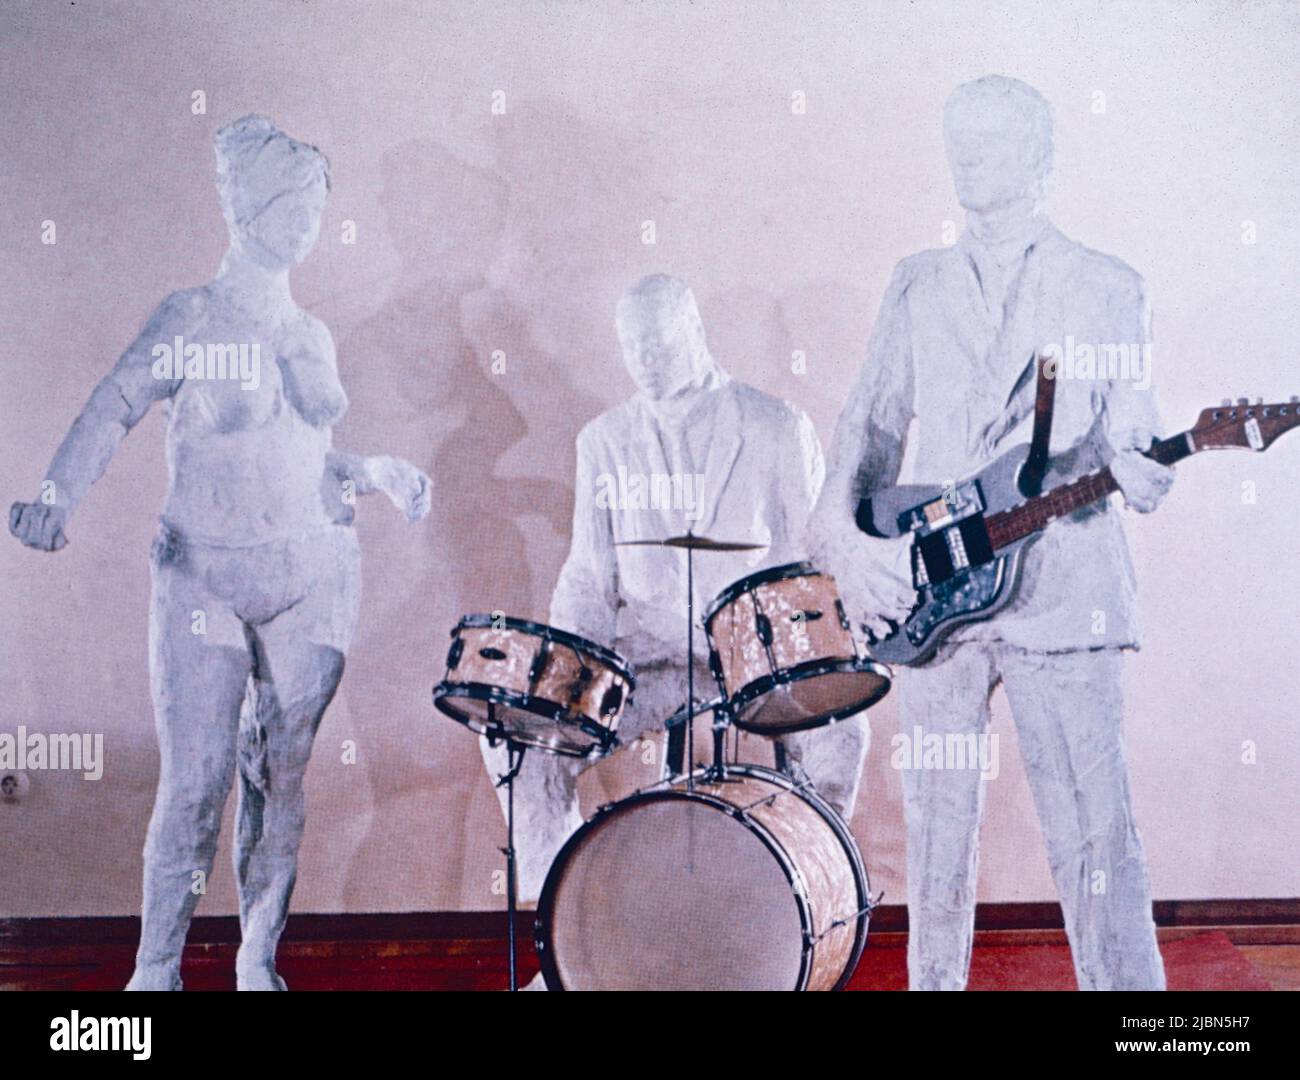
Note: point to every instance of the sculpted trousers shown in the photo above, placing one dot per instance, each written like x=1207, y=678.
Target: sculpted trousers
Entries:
x=1068, y=712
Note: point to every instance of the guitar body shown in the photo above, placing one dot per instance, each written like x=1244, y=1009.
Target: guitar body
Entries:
x=949, y=595
x=966, y=568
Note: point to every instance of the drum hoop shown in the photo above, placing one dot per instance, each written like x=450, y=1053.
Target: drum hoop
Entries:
x=759, y=577
x=605, y=738
x=545, y=903
x=550, y=633
x=765, y=684
x=861, y=880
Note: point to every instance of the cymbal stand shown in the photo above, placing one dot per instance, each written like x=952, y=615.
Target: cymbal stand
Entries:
x=690, y=666
x=514, y=761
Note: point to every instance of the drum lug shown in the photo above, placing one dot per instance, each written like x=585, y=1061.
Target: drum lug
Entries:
x=454, y=653
x=844, y=617
x=538, y=666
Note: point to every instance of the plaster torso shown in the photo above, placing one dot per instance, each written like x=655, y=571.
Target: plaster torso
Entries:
x=761, y=468
x=952, y=360
x=244, y=467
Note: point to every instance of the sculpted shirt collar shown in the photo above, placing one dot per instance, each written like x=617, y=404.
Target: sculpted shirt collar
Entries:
x=698, y=432
x=997, y=260
x=674, y=413
x=1007, y=245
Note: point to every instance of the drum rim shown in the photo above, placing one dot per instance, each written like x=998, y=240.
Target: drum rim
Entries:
x=481, y=621
x=848, y=842
x=861, y=878
x=445, y=691
x=659, y=793
x=765, y=684
x=758, y=577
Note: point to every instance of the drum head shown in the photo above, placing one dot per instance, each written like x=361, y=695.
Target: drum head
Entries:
x=809, y=698
x=670, y=892
x=539, y=727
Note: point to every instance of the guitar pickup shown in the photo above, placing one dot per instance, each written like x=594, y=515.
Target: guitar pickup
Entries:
x=946, y=552
x=955, y=504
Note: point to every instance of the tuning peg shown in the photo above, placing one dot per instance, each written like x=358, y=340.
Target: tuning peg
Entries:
x=1243, y=401
x=1226, y=402
x=1295, y=397
x=1259, y=401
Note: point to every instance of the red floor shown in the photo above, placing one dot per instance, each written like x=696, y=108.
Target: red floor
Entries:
x=1201, y=962
x=1208, y=961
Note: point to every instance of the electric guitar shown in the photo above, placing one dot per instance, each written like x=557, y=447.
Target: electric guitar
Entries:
x=968, y=537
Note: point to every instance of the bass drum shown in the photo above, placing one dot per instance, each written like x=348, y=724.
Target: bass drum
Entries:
x=752, y=883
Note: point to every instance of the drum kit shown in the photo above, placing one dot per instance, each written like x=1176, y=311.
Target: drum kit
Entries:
x=725, y=876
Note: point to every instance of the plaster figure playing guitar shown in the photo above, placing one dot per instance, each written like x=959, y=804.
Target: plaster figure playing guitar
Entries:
x=954, y=349
x=969, y=536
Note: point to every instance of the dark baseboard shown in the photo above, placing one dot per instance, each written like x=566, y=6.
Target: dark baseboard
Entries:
x=21, y=933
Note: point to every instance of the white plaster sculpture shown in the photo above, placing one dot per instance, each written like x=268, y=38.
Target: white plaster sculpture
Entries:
x=957, y=328
x=754, y=466
x=256, y=570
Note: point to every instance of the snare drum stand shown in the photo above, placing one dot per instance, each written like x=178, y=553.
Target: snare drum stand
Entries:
x=514, y=760
x=690, y=666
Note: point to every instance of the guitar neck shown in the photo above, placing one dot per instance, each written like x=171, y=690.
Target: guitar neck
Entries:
x=1037, y=513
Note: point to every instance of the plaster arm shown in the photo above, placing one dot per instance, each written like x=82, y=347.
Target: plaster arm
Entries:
x=116, y=405
x=349, y=475
x=866, y=455
x=586, y=597
x=1131, y=418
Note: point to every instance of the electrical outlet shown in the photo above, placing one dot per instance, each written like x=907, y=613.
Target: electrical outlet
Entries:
x=13, y=785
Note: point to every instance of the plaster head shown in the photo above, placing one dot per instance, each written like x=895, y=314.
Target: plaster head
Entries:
x=998, y=134
x=662, y=336
x=272, y=190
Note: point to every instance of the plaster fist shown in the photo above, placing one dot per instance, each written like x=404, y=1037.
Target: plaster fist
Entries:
x=883, y=587
x=1144, y=482
x=409, y=489
x=39, y=526
x=874, y=577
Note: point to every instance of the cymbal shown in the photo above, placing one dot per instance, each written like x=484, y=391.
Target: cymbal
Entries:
x=690, y=540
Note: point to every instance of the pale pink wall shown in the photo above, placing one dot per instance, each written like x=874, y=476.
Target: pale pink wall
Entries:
x=478, y=232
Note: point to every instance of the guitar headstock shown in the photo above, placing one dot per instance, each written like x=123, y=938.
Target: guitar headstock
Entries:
x=1244, y=425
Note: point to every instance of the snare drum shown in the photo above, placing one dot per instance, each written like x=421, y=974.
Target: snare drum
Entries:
x=753, y=883
x=783, y=653
x=535, y=685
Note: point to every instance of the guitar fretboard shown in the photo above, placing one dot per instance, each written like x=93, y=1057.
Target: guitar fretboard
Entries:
x=1039, y=512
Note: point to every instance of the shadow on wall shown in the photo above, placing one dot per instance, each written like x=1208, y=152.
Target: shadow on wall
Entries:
x=456, y=374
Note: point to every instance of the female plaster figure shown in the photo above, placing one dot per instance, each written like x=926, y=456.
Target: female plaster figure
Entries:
x=256, y=569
